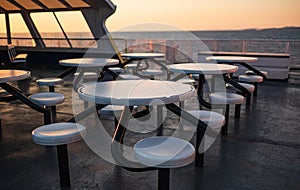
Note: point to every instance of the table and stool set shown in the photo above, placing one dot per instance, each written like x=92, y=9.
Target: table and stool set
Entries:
x=151, y=153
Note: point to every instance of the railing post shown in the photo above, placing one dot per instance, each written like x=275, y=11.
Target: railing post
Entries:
x=288, y=48
x=244, y=46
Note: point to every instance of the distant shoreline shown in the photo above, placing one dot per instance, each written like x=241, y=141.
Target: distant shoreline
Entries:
x=251, y=29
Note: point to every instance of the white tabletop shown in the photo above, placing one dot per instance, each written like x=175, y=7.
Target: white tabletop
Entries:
x=135, y=92
x=13, y=75
x=143, y=55
x=203, y=68
x=88, y=62
x=231, y=59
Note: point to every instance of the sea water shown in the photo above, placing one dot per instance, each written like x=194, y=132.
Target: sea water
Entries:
x=283, y=40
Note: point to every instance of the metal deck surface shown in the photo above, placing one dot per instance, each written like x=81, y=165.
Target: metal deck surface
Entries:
x=261, y=151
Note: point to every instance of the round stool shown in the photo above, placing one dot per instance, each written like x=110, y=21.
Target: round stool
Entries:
x=128, y=77
x=132, y=66
x=187, y=81
x=59, y=135
x=164, y=153
x=116, y=69
x=152, y=73
x=5, y=96
x=87, y=76
x=249, y=87
x=252, y=73
x=251, y=79
x=48, y=99
x=227, y=99
x=50, y=82
x=111, y=111
x=214, y=123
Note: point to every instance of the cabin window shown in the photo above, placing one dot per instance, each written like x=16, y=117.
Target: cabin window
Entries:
x=76, y=29
x=64, y=29
x=49, y=29
x=19, y=32
x=3, y=35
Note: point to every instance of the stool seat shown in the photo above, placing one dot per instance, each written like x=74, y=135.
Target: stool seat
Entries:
x=164, y=152
x=129, y=77
x=111, y=111
x=187, y=81
x=88, y=74
x=226, y=98
x=252, y=73
x=58, y=134
x=249, y=87
x=131, y=65
x=196, y=76
x=47, y=98
x=3, y=92
x=116, y=69
x=152, y=72
x=49, y=81
x=251, y=78
x=212, y=119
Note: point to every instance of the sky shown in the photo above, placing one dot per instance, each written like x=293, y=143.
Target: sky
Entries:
x=182, y=14
x=207, y=14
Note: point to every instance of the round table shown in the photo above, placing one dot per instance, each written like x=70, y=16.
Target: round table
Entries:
x=141, y=93
x=135, y=92
x=88, y=62
x=13, y=75
x=202, y=68
x=241, y=60
x=231, y=59
x=7, y=76
x=142, y=55
x=84, y=64
x=206, y=68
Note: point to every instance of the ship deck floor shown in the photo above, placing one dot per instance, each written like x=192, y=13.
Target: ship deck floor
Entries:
x=261, y=151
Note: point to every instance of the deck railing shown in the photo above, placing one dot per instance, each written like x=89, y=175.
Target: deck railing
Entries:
x=173, y=49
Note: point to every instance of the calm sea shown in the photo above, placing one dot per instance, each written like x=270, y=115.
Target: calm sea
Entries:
x=289, y=34
x=284, y=40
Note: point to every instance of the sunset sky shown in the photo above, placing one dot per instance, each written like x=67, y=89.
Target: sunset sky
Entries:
x=207, y=14
x=183, y=14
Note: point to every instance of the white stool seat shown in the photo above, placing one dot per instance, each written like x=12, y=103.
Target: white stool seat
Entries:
x=152, y=72
x=49, y=81
x=226, y=98
x=111, y=111
x=212, y=119
x=88, y=74
x=47, y=98
x=164, y=152
x=116, y=69
x=252, y=73
x=58, y=134
x=196, y=76
x=251, y=78
x=249, y=87
x=129, y=77
x=3, y=92
x=186, y=81
x=131, y=65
